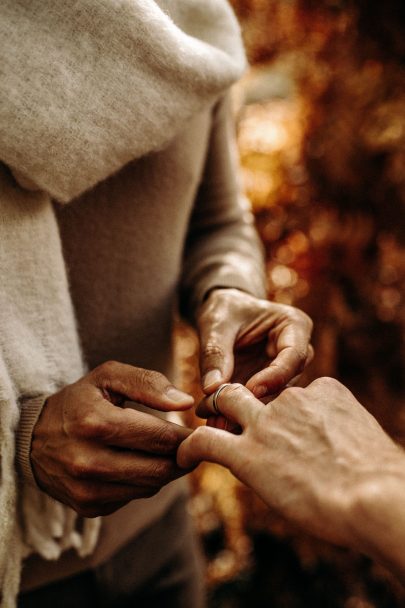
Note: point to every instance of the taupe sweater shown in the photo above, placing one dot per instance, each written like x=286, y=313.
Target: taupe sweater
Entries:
x=121, y=106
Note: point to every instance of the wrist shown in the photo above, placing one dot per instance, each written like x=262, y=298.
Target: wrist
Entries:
x=214, y=295
x=221, y=291
x=376, y=515
x=31, y=410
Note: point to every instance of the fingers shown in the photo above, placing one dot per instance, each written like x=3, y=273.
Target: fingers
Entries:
x=83, y=437
x=217, y=339
x=293, y=353
x=146, y=386
x=99, y=485
x=128, y=428
x=234, y=320
x=130, y=468
x=206, y=443
x=297, y=379
x=285, y=367
x=220, y=422
x=235, y=402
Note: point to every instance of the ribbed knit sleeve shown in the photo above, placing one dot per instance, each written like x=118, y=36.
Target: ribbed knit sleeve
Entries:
x=29, y=414
x=223, y=248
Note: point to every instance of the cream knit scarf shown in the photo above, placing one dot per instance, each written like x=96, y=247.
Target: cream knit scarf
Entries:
x=85, y=87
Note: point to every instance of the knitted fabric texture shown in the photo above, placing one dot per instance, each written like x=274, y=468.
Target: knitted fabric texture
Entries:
x=39, y=352
x=85, y=87
x=88, y=86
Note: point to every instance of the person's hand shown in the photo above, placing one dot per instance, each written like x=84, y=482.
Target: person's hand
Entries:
x=95, y=456
x=307, y=454
x=261, y=344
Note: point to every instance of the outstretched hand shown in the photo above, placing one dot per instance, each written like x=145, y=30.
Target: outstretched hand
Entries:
x=309, y=453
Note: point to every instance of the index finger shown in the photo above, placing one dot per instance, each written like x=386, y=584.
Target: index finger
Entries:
x=131, y=429
x=235, y=402
x=289, y=347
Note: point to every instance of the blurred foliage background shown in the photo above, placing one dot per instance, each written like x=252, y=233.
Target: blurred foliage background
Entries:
x=321, y=133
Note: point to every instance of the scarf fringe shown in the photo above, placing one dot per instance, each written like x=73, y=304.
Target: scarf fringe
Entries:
x=49, y=527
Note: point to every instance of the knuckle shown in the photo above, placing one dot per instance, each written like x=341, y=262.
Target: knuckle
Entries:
x=165, y=439
x=155, y=376
x=106, y=369
x=326, y=383
x=301, y=354
x=93, y=426
x=301, y=317
x=87, y=467
x=293, y=313
x=213, y=349
x=78, y=468
x=298, y=317
x=149, y=378
x=292, y=392
x=110, y=366
x=94, y=470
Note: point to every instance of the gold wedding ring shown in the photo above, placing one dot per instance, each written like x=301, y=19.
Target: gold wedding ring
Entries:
x=216, y=395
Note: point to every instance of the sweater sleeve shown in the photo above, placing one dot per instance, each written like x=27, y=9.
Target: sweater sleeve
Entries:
x=222, y=248
x=29, y=414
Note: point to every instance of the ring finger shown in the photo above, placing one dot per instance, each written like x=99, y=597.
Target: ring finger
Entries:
x=234, y=401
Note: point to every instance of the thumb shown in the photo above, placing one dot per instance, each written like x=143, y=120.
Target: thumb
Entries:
x=137, y=384
x=217, y=340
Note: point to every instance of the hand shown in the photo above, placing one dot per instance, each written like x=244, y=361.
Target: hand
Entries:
x=261, y=344
x=307, y=454
x=95, y=456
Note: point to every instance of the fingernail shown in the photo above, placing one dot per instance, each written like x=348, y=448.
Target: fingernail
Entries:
x=214, y=376
x=260, y=391
x=178, y=396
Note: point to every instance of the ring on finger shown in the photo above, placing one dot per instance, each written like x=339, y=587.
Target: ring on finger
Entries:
x=215, y=397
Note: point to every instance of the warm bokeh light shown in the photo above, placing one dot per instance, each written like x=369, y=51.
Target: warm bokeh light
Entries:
x=321, y=133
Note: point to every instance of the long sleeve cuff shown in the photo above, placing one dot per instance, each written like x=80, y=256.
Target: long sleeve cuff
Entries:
x=30, y=412
x=225, y=277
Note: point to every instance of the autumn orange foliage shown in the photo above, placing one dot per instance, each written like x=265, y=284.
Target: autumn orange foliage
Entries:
x=321, y=131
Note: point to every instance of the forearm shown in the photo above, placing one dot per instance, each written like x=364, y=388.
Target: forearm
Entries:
x=378, y=515
x=223, y=248
x=228, y=256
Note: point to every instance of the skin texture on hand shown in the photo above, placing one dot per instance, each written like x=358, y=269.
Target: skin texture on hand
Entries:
x=261, y=344
x=95, y=456
x=311, y=454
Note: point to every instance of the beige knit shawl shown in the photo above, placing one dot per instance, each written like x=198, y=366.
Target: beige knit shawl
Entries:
x=85, y=87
